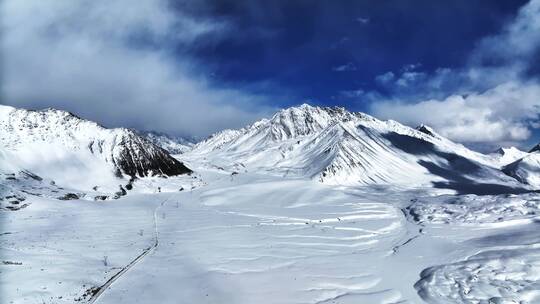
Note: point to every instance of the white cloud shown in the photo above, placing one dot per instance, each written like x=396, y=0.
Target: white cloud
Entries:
x=112, y=61
x=517, y=41
x=499, y=114
x=363, y=20
x=488, y=101
x=385, y=78
x=411, y=67
x=352, y=93
x=349, y=66
x=408, y=78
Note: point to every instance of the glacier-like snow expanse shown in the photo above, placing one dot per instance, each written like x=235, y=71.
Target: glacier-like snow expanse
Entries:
x=250, y=238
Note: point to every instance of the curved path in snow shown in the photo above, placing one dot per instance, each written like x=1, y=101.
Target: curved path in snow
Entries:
x=97, y=293
x=272, y=242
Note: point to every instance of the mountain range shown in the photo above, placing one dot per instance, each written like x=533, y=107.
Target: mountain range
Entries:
x=327, y=144
x=335, y=146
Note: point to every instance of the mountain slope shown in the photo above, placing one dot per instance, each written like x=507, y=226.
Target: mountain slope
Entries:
x=526, y=169
x=335, y=146
x=52, y=132
x=505, y=156
x=172, y=144
x=535, y=148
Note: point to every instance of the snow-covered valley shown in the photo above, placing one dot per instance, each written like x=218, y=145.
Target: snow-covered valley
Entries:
x=314, y=205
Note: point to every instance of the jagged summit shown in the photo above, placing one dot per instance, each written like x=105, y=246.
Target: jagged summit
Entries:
x=509, y=151
x=535, y=149
x=525, y=169
x=523, y=166
x=507, y=155
x=123, y=149
x=306, y=119
x=336, y=146
x=286, y=124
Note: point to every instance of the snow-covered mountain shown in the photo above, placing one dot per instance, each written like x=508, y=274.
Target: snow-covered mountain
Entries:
x=526, y=169
x=336, y=146
x=273, y=238
x=172, y=144
x=523, y=166
x=53, y=139
x=535, y=148
x=504, y=156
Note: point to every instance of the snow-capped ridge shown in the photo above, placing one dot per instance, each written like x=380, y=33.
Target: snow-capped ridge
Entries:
x=124, y=150
x=507, y=155
x=427, y=130
x=525, y=169
x=172, y=144
x=535, y=149
x=335, y=146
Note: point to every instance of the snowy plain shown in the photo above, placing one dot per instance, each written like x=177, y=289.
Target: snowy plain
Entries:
x=252, y=238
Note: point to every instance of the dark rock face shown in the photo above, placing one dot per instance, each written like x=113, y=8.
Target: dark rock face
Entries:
x=69, y=196
x=120, y=193
x=136, y=156
x=31, y=175
x=425, y=129
x=535, y=149
x=127, y=152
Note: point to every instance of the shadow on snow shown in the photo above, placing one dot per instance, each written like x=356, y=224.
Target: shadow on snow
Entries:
x=457, y=171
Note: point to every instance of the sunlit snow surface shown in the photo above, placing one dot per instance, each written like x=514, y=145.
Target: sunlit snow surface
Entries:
x=251, y=238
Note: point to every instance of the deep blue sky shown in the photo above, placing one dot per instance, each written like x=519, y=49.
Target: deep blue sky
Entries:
x=298, y=45
x=468, y=68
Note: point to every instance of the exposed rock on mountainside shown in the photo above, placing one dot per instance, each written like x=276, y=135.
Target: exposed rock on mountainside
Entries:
x=505, y=156
x=535, y=148
x=172, y=144
x=336, y=146
x=125, y=151
x=526, y=169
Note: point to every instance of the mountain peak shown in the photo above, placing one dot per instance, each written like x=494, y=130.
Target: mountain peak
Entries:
x=305, y=106
x=507, y=155
x=535, y=149
x=335, y=146
x=508, y=150
x=305, y=119
x=123, y=148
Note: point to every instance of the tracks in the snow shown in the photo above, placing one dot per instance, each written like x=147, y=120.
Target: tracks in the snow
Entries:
x=96, y=293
